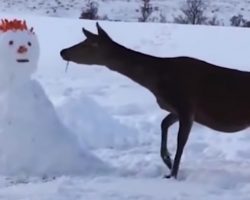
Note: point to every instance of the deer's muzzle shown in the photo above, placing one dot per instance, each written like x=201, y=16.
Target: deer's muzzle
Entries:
x=63, y=54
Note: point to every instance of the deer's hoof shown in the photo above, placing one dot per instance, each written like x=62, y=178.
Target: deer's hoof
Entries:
x=168, y=176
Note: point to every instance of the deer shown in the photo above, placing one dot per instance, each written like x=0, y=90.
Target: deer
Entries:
x=189, y=89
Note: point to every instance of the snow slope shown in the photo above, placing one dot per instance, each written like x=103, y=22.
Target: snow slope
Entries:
x=122, y=10
x=214, y=165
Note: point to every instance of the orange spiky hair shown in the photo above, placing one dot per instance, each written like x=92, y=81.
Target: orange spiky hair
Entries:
x=14, y=25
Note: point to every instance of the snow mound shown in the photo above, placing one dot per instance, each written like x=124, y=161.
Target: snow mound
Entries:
x=34, y=142
x=93, y=125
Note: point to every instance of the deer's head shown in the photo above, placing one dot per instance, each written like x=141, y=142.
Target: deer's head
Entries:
x=93, y=50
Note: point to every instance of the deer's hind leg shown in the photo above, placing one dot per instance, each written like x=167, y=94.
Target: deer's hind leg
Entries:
x=165, y=124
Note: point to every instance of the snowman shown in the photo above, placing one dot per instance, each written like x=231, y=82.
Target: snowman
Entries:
x=33, y=141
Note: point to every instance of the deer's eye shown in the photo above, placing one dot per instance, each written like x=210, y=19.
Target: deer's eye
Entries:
x=29, y=43
x=11, y=42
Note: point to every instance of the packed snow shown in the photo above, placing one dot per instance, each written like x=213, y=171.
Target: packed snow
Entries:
x=120, y=121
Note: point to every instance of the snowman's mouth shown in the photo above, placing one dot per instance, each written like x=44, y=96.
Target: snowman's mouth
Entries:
x=22, y=60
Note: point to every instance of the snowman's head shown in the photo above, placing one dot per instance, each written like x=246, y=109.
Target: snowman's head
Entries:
x=19, y=49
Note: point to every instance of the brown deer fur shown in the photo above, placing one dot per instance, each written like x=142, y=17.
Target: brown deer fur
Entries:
x=191, y=90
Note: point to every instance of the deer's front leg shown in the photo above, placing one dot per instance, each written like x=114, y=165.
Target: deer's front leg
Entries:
x=165, y=124
x=185, y=125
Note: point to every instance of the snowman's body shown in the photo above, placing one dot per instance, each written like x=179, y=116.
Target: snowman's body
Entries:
x=33, y=141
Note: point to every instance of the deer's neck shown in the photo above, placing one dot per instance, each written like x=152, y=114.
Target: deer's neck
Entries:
x=139, y=67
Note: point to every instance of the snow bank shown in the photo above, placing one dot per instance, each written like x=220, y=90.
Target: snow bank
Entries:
x=93, y=125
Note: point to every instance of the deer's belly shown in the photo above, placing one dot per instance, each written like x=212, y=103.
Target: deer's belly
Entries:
x=225, y=121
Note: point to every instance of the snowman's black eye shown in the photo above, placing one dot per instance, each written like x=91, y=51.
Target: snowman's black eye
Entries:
x=29, y=43
x=11, y=42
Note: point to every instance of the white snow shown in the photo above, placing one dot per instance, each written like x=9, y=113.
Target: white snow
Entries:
x=214, y=165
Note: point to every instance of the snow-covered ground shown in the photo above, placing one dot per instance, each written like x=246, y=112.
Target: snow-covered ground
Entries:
x=129, y=10
x=121, y=121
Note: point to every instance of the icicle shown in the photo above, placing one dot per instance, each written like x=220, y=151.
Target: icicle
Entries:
x=67, y=66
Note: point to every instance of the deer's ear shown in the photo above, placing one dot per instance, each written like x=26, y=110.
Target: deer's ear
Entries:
x=101, y=32
x=89, y=34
